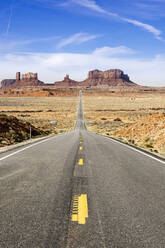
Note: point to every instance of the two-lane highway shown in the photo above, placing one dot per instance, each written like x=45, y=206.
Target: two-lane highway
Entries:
x=81, y=189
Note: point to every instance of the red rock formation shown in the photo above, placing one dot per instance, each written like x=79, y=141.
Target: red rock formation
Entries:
x=7, y=83
x=30, y=76
x=29, y=79
x=114, y=77
x=67, y=82
x=18, y=76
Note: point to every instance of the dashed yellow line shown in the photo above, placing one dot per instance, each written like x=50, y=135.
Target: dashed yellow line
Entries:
x=81, y=148
x=81, y=161
x=80, y=209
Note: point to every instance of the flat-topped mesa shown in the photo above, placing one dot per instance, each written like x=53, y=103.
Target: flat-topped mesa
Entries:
x=26, y=80
x=109, y=74
x=113, y=77
x=67, y=82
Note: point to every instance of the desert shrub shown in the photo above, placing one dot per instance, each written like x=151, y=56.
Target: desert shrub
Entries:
x=149, y=145
x=156, y=151
x=8, y=135
x=24, y=135
x=11, y=132
x=17, y=138
x=131, y=141
x=117, y=119
x=147, y=139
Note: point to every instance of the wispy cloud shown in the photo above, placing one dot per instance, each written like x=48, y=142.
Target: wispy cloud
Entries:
x=156, y=32
x=7, y=44
x=113, y=51
x=9, y=21
x=92, y=5
x=76, y=39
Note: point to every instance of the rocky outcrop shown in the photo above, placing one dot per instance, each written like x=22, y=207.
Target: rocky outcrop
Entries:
x=30, y=76
x=13, y=130
x=6, y=83
x=114, y=77
x=29, y=79
x=67, y=82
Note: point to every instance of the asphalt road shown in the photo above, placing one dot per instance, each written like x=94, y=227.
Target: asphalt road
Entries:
x=80, y=189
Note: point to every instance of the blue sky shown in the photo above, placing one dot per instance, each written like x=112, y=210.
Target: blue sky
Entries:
x=55, y=37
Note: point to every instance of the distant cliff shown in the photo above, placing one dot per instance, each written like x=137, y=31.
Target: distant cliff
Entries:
x=67, y=82
x=29, y=79
x=6, y=83
x=114, y=77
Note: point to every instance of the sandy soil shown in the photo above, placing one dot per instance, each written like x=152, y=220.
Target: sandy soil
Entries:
x=116, y=116
x=40, y=111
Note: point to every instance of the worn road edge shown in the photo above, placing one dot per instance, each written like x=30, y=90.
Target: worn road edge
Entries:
x=135, y=147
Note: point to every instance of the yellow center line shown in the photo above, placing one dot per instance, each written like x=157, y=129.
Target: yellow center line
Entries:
x=81, y=214
x=81, y=161
x=81, y=148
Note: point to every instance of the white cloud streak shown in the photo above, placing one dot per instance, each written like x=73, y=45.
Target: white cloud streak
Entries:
x=111, y=51
x=9, y=21
x=76, y=39
x=90, y=4
x=7, y=45
x=93, y=6
x=147, y=27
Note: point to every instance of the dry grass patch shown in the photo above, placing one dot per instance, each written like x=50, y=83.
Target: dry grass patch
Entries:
x=116, y=116
x=40, y=111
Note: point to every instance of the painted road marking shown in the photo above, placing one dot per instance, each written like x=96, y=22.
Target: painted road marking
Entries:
x=81, y=148
x=81, y=161
x=75, y=208
x=80, y=209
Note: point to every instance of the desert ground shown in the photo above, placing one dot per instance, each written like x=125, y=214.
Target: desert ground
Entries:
x=54, y=114
x=116, y=116
x=110, y=115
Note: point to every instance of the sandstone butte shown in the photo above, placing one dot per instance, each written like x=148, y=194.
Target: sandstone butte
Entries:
x=29, y=79
x=113, y=77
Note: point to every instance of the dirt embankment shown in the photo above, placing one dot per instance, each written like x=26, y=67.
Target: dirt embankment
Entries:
x=13, y=130
x=117, y=116
x=148, y=132
x=50, y=114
